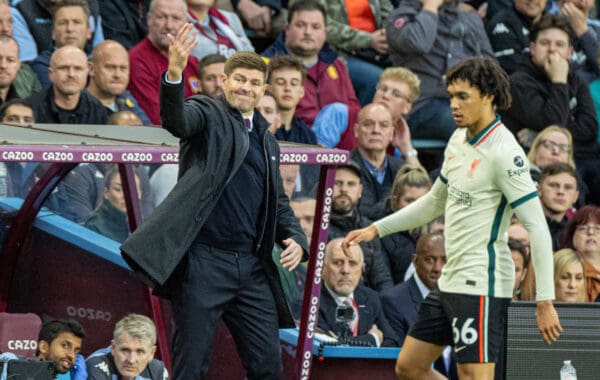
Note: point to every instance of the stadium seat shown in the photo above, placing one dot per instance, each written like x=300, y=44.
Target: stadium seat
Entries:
x=18, y=333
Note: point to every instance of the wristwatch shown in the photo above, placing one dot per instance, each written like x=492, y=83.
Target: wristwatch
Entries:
x=410, y=153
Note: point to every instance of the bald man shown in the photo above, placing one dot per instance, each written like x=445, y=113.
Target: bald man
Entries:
x=109, y=77
x=65, y=101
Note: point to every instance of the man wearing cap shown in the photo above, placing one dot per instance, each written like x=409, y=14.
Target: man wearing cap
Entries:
x=345, y=217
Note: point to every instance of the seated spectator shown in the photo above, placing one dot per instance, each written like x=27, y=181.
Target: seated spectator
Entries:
x=410, y=184
x=557, y=190
x=546, y=91
x=342, y=288
x=130, y=354
x=521, y=259
x=328, y=80
x=356, y=29
x=65, y=101
x=345, y=217
x=414, y=45
x=210, y=70
x=70, y=27
x=109, y=77
x=33, y=24
x=508, y=32
x=401, y=302
x=60, y=341
x=374, y=131
x=149, y=58
x=267, y=106
x=263, y=17
x=26, y=81
x=304, y=210
x=569, y=279
x=219, y=31
x=110, y=218
x=595, y=92
x=125, y=117
x=124, y=21
x=9, y=67
x=583, y=235
x=288, y=174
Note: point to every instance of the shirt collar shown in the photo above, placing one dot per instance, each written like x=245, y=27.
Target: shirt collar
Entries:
x=338, y=298
x=422, y=288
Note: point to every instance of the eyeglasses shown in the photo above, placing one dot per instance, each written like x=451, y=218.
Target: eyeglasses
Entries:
x=589, y=228
x=395, y=93
x=551, y=145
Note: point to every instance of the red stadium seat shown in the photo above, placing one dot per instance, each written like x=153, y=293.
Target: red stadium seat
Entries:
x=18, y=333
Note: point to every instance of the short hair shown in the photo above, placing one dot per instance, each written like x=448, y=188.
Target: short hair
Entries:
x=563, y=258
x=208, y=60
x=118, y=116
x=281, y=61
x=14, y=102
x=558, y=168
x=270, y=94
x=306, y=5
x=246, y=60
x=52, y=329
x=586, y=214
x=429, y=238
x=137, y=326
x=552, y=21
x=517, y=246
x=408, y=175
x=402, y=74
x=485, y=74
x=335, y=242
x=153, y=5
x=5, y=39
x=71, y=3
x=535, y=145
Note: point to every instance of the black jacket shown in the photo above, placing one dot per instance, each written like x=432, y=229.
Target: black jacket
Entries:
x=89, y=110
x=214, y=143
x=538, y=103
x=124, y=20
x=376, y=274
x=110, y=222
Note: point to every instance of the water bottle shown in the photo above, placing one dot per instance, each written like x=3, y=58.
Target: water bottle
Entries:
x=567, y=372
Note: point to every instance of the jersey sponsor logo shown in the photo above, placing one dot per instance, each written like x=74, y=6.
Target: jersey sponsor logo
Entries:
x=399, y=23
x=500, y=28
x=517, y=172
x=518, y=160
x=474, y=165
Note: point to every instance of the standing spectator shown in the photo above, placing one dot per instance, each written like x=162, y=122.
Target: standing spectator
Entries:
x=33, y=20
x=327, y=79
x=65, y=101
x=415, y=45
x=546, y=91
x=219, y=31
x=210, y=72
x=109, y=77
x=149, y=58
x=70, y=27
x=508, y=32
x=124, y=20
x=356, y=29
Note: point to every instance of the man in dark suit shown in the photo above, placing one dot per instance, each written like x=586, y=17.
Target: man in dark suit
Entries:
x=401, y=303
x=209, y=244
x=342, y=288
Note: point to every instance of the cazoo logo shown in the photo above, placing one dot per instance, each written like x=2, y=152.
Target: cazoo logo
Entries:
x=88, y=313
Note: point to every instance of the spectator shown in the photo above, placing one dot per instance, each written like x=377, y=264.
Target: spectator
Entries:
x=558, y=192
x=413, y=45
x=328, y=80
x=65, y=101
x=356, y=29
x=17, y=112
x=508, y=32
x=288, y=174
x=60, y=341
x=410, y=184
x=259, y=15
x=569, y=279
x=304, y=210
x=521, y=259
x=595, y=92
x=33, y=25
x=149, y=58
x=109, y=77
x=6, y=20
x=346, y=217
x=9, y=67
x=374, y=132
x=70, y=27
x=124, y=20
x=267, y=106
x=583, y=235
x=546, y=91
x=287, y=77
x=110, y=218
x=219, y=31
x=130, y=354
x=125, y=117
x=210, y=70
x=342, y=287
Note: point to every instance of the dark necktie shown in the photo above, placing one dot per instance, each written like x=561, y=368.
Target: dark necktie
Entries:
x=248, y=124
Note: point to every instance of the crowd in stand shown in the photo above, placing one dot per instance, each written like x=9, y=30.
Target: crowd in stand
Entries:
x=362, y=75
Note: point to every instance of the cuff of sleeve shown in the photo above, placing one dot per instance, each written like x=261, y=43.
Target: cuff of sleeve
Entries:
x=377, y=342
x=172, y=82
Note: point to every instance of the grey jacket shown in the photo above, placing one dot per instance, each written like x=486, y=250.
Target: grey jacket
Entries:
x=214, y=143
x=414, y=44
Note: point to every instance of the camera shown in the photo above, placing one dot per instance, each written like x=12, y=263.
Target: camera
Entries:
x=344, y=313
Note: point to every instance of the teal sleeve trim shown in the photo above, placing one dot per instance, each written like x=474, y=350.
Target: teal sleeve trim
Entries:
x=523, y=199
x=443, y=179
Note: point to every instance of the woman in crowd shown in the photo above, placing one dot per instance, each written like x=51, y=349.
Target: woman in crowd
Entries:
x=569, y=280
